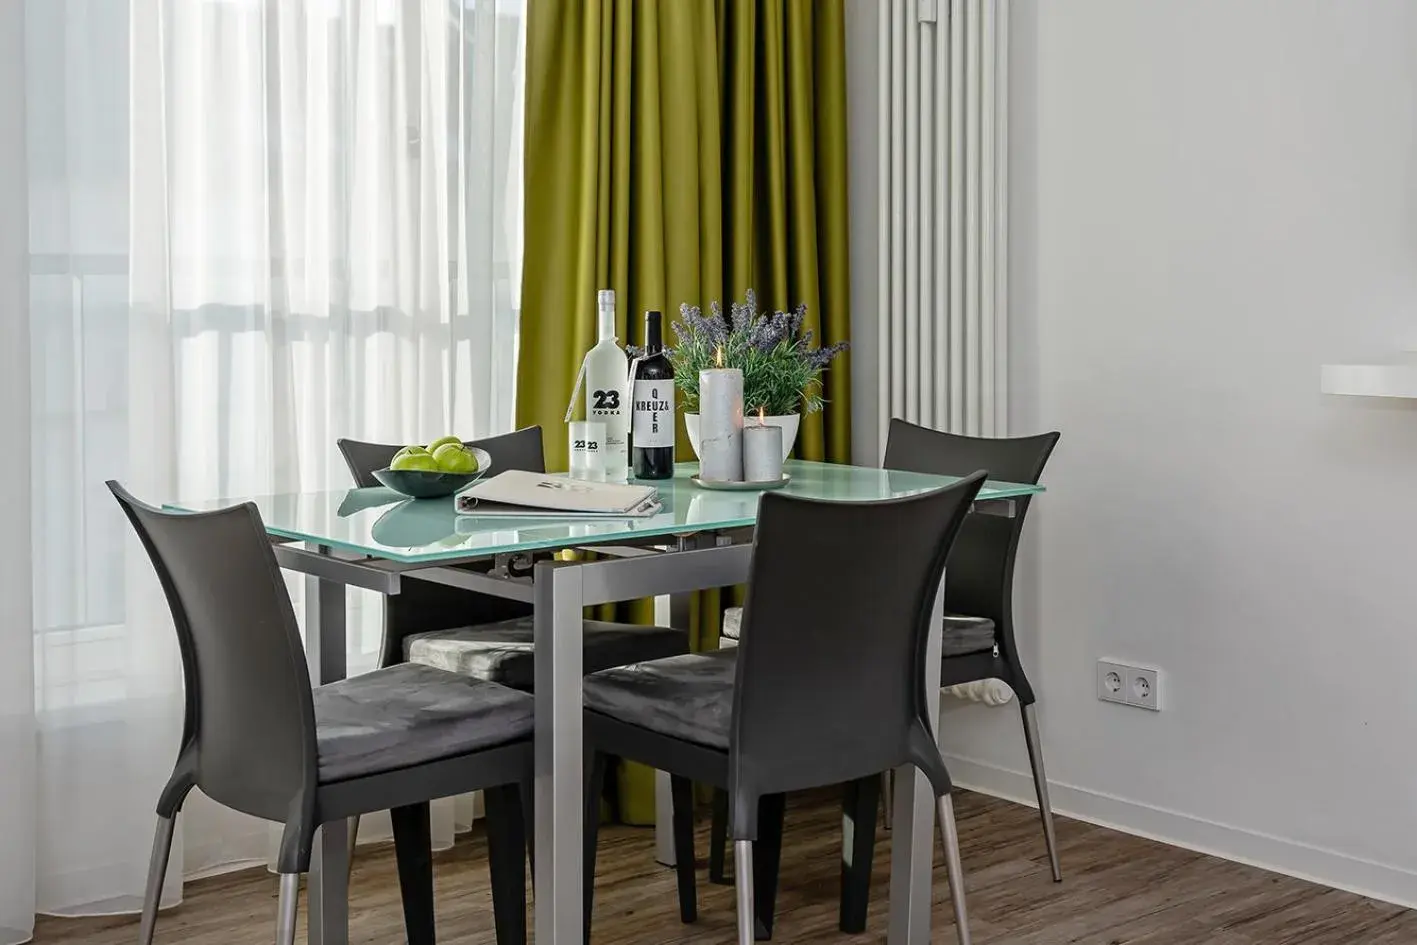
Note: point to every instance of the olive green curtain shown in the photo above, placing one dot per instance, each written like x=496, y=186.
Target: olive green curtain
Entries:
x=681, y=151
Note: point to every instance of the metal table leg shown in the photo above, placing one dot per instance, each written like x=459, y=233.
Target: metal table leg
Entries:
x=324, y=628
x=329, y=867
x=559, y=754
x=669, y=611
x=329, y=885
x=912, y=833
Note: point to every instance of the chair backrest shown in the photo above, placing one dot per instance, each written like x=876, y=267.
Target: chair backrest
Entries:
x=250, y=714
x=520, y=449
x=830, y=683
x=980, y=577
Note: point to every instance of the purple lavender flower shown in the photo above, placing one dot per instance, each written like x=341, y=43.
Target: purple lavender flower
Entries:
x=820, y=357
x=742, y=315
x=693, y=326
x=781, y=367
x=795, y=320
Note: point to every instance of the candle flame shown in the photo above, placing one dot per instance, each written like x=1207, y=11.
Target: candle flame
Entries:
x=762, y=415
x=718, y=355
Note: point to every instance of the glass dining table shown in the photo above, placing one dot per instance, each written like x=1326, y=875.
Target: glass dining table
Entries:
x=375, y=539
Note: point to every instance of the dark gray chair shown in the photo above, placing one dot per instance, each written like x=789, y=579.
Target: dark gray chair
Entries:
x=978, y=632
x=980, y=580
x=259, y=740
x=775, y=715
x=480, y=635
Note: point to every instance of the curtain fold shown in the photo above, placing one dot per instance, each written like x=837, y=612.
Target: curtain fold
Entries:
x=682, y=151
x=254, y=226
x=19, y=785
x=710, y=146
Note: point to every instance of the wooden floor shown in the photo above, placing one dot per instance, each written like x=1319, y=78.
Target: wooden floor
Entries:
x=1117, y=890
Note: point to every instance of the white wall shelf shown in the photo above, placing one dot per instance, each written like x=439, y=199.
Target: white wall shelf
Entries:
x=1370, y=380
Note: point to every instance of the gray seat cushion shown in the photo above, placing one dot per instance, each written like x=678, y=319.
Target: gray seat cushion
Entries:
x=732, y=623
x=966, y=635
x=963, y=635
x=411, y=714
x=502, y=652
x=688, y=697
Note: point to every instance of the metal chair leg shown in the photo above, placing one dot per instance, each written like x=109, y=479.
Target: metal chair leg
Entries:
x=743, y=880
x=157, y=871
x=949, y=836
x=1040, y=785
x=285, y=910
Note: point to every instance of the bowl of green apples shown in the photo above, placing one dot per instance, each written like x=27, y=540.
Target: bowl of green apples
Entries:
x=436, y=470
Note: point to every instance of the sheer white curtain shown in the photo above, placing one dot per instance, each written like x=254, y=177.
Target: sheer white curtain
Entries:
x=254, y=226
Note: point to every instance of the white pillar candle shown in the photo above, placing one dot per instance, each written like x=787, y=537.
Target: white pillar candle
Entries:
x=762, y=452
x=721, y=425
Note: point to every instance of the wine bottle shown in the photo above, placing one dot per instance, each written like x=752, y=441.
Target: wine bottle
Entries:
x=606, y=392
x=652, y=415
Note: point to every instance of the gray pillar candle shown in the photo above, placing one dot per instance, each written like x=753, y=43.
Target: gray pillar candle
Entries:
x=762, y=452
x=721, y=425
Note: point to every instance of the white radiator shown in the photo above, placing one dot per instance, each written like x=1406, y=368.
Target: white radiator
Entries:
x=944, y=107
x=944, y=200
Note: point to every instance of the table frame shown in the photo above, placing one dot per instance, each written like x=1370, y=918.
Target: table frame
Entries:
x=558, y=591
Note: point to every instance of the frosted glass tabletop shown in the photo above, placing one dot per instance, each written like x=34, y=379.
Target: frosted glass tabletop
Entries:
x=383, y=524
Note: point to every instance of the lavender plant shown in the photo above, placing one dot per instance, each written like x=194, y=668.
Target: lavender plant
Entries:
x=782, y=371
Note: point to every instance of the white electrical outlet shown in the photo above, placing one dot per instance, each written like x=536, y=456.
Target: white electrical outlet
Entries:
x=1129, y=685
x=1112, y=681
x=1142, y=689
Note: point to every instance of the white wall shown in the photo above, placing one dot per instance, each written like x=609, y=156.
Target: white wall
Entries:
x=1211, y=198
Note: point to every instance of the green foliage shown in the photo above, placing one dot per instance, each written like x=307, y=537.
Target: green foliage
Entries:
x=782, y=370
x=776, y=382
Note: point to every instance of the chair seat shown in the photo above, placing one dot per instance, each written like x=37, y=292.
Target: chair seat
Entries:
x=411, y=714
x=963, y=635
x=502, y=652
x=688, y=697
x=966, y=635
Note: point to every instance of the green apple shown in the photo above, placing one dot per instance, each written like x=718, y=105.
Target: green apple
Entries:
x=407, y=450
x=453, y=458
x=443, y=441
x=420, y=462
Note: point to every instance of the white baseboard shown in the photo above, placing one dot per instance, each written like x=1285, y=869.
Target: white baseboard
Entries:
x=1276, y=854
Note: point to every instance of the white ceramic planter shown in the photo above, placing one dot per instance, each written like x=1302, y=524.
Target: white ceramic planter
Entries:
x=788, y=422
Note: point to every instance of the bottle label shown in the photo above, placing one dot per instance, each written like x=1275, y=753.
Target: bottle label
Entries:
x=653, y=416
x=608, y=406
x=603, y=403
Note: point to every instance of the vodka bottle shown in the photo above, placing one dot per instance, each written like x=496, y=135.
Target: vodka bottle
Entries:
x=606, y=392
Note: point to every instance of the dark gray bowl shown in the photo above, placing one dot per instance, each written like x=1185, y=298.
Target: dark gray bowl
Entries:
x=417, y=484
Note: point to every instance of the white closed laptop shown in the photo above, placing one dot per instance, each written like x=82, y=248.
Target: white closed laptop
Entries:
x=517, y=493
